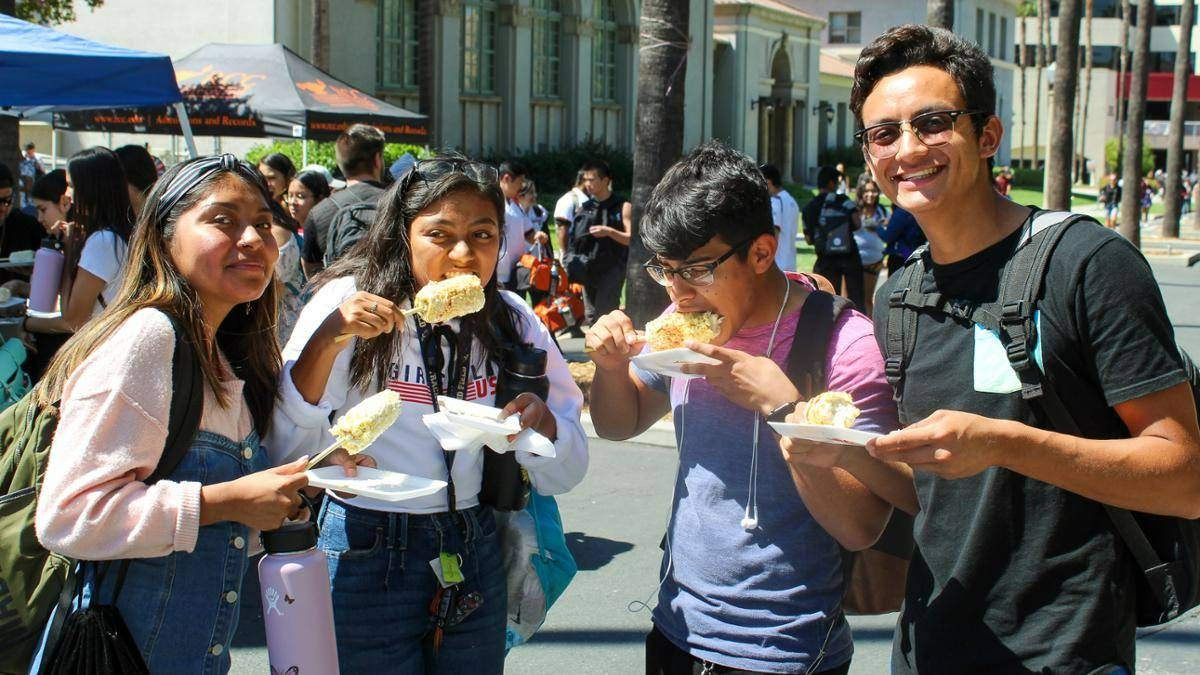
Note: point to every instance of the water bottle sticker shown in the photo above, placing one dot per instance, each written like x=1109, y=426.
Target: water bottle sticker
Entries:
x=273, y=597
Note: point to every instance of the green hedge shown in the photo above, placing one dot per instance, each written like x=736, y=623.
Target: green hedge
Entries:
x=323, y=153
x=554, y=170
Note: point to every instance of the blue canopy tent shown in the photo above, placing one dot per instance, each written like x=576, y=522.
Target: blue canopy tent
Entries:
x=44, y=71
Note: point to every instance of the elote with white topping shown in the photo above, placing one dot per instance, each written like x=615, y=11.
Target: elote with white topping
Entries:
x=832, y=408
x=672, y=330
x=440, y=301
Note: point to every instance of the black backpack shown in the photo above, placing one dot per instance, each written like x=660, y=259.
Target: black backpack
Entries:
x=349, y=224
x=1167, y=549
x=587, y=256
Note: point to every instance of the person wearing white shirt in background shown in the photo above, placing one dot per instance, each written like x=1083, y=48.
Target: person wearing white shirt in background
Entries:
x=518, y=231
x=786, y=214
x=565, y=207
x=432, y=224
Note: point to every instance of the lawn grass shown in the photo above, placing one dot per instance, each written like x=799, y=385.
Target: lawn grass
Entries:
x=1033, y=197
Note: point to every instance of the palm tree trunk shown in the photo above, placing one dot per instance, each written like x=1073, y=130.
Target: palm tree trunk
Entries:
x=1061, y=152
x=940, y=13
x=10, y=128
x=1132, y=161
x=1175, y=135
x=1087, y=91
x=320, y=34
x=658, y=136
x=1122, y=106
x=1041, y=65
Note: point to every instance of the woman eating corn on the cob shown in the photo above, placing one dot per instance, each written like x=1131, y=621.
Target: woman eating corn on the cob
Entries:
x=353, y=339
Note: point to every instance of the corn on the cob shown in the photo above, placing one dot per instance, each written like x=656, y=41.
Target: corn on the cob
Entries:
x=670, y=331
x=361, y=425
x=832, y=408
x=440, y=301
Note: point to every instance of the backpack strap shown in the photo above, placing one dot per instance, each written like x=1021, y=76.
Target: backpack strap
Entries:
x=806, y=358
x=187, y=406
x=902, y=321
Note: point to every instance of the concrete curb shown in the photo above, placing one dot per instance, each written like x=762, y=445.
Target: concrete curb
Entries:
x=660, y=434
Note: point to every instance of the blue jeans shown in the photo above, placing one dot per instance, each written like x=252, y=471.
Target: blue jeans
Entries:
x=382, y=582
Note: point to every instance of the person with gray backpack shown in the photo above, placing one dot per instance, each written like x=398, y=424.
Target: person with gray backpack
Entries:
x=1050, y=420
x=830, y=220
x=359, y=152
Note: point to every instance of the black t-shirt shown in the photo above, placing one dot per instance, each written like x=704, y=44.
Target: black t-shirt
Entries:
x=1013, y=575
x=316, y=225
x=20, y=233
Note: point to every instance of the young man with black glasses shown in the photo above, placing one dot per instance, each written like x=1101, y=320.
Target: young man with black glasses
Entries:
x=751, y=576
x=1017, y=568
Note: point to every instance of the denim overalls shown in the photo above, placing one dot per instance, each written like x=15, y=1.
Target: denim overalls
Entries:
x=182, y=609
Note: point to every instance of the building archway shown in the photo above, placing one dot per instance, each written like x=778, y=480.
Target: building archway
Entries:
x=776, y=120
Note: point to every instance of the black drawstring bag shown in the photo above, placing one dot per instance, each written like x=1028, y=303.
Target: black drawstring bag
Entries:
x=95, y=639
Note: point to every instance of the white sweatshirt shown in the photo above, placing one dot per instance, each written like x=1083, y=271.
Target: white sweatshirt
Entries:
x=299, y=428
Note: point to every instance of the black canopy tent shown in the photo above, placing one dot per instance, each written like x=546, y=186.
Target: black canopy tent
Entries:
x=256, y=91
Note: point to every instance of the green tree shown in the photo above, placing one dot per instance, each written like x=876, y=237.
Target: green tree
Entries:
x=1113, y=148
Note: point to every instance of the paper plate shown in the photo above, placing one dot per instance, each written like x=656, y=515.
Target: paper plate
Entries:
x=667, y=361
x=388, y=486
x=822, y=433
x=12, y=302
x=479, y=417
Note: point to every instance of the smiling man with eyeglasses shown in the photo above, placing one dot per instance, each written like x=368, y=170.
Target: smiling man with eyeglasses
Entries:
x=752, y=576
x=1018, y=566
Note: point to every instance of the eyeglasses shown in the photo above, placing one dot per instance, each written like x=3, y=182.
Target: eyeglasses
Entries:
x=696, y=275
x=6, y=201
x=298, y=196
x=932, y=128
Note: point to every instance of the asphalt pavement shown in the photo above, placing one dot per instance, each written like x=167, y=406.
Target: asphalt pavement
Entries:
x=616, y=517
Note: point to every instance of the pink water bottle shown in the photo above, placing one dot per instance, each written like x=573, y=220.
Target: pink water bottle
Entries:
x=47, y=276
x=297, y=607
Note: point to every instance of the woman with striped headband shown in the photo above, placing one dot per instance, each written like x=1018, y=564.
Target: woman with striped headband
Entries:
x=203, y=260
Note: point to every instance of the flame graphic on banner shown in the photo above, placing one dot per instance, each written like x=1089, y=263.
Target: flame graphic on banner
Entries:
x=339, y=97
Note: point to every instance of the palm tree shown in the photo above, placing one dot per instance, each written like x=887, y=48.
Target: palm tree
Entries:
x=1043, y=11
x=1123, y=68
x=1131, y=169
x=658, y=136
x=1175, y=136
x=1024, y=11
x=320, y=34
x=940, y=13
x=1087, y=90
x=1060, y=154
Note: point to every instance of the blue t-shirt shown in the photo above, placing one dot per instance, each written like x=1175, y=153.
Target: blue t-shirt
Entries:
x=762, y=600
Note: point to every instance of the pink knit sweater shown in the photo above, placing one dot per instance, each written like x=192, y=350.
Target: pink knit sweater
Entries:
x=110, y=437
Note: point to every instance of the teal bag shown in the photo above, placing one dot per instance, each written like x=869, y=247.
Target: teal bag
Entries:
x=537, y=562
x=14, y=383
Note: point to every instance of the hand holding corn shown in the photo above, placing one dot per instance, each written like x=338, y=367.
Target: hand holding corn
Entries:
x=363, y=315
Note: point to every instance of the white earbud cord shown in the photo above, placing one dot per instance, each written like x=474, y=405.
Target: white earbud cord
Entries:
x=750, y=521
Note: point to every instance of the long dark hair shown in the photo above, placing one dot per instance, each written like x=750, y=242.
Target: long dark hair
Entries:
x=151, y=279
x=283, y=165
x=100, y=196
x=381, y=264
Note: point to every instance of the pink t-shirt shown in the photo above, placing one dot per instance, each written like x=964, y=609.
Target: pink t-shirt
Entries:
x=757, y=599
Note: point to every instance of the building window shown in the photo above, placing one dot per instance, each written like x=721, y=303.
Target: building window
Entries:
x=479, y=47
x=991, y=50
x=845, y=28
x=1003, y=39
x=547, y=48
x=604, y=52
x=979, y=27
x=398, y=44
